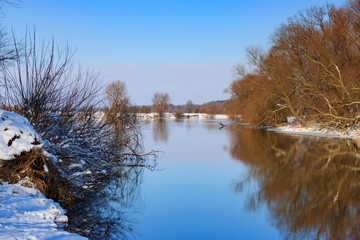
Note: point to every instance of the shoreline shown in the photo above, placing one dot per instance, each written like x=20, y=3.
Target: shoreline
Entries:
x=291, y=128
x=313, y=131
x=25, y=213
x=39, y=216
x=154, y=116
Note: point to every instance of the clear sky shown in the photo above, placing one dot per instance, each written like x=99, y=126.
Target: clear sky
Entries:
x=186, y=48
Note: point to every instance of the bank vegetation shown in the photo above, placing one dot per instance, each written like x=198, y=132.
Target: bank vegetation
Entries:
x=90, y=132
x=310, y=72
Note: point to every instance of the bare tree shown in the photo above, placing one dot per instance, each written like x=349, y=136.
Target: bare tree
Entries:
x=189, y=106
x=120, y=117
x=44, y=87
x=310, y=71
x=161, y=102
x=62, y=104
x=117, y=102
x=7, y=51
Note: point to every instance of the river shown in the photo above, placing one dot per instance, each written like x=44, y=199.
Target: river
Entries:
x=233, y=183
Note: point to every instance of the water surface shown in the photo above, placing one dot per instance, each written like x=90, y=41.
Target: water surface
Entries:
x=232, y=183
x=193, y=195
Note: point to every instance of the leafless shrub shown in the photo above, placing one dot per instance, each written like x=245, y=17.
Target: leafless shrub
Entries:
x=179, y=114
x=45, y=88
x=63, y=104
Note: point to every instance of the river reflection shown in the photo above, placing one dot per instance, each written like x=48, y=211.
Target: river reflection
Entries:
x=160, y=130
x=229, y=183
x=107, y=214
x=311, y=186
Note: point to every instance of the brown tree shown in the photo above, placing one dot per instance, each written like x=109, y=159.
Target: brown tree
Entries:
x=310, y=71
x=120, y=117
x=189, y=106
x=117, y=102
x=161, y=102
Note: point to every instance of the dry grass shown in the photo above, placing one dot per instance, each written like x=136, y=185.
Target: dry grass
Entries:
x=30, y=166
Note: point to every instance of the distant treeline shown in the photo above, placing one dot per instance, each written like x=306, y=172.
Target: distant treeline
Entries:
x=213, y=107
x=310, y=71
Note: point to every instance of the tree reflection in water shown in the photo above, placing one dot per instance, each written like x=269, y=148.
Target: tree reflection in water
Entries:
x=310, y=185
x=161, y=131
x=106, y=214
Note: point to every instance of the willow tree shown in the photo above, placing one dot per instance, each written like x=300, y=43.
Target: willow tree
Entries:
x=161, y=103
x=120, y=117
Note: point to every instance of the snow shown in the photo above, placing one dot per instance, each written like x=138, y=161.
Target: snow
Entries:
x=16, y=135
x=50, y=156
x=88, y=172
x=26, y=214
x=220, y=116
x=75, y=165
x=314, y=130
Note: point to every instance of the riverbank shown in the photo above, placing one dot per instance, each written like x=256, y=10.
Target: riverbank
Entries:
x=290, y=128
x=25, y=213
x=153, y=116
x=313, y=130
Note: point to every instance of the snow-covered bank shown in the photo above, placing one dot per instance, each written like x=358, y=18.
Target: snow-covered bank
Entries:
x=26, y=214
x=315, y=131
x=16, y=135
x=151, y=116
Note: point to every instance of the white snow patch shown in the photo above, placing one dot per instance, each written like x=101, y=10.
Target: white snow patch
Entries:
x=88, y=172
x=291, y=119
x=16, y=131
x=26, y=214
x=45, y=168
x=220, y=116
x=314, y=130
x=52, y=157
x=75, y=165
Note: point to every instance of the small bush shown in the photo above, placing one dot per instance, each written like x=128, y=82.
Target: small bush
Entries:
x=179, y=114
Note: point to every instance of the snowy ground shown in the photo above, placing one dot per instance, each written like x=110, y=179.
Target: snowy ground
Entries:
x=26, y=214
x=315, y=131
x=16, y=135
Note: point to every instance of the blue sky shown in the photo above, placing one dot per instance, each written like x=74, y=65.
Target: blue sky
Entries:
x=186, y=48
